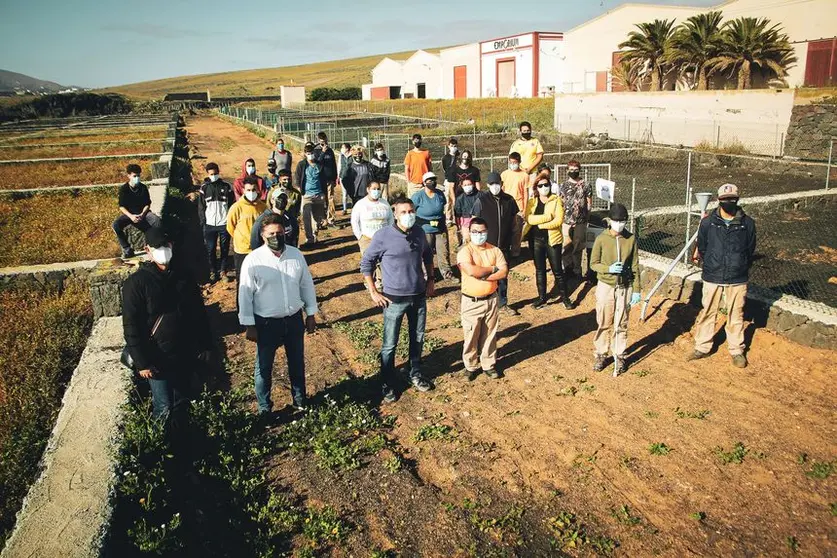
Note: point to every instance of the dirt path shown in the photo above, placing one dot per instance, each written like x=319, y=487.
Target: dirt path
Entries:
x=554, y=436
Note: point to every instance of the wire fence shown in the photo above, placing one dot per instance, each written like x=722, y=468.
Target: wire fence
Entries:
x=792, y=201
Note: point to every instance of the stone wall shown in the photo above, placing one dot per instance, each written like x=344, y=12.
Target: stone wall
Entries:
x=811, y=129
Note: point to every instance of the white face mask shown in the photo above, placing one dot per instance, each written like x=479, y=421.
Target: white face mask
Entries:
x=375, y=194
x=544, y=190
x=453, y=149
x=617, y=226
x=479, y=238
x=514, y=166
x=309, y=156
x=468, y=188
x=133, y=181
x=380, y=154
x=407, y=220
x=251, y=170
x=495, y=188
x=214, y=177
x=161, y=255
x=251, y=195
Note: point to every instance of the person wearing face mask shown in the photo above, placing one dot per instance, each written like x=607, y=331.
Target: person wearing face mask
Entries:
x=615, y=259
x=483, y=266
x=544, y=216
x=461, y=170
x=577, y=197
x=449, y=159
x=726, y=243
x=135, y=209
x=283, y=158
x=546, y=170
x=240, y=220
x=463, y=209
x=407, y=270
x=309, y=180
x=248, y=169
x=381, y=169
x=529, y=148
x=516, y=184
x=276, y=288
x=499, y=210
x=358, y=175
x=430, y=206
x=277, y=204
x=284, y=186
x=272, y=178
x=417, y=162
x=328, y=162
x=342, y=168
x=371, y=214
x=216, y=198
x=166, y=330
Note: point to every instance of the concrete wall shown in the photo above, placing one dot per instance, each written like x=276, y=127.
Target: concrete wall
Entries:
x=812, y=129
x=465, y=55
x=292, y=95
x=755, y=118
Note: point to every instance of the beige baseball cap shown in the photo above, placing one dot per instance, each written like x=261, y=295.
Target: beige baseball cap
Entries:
x=728, y=191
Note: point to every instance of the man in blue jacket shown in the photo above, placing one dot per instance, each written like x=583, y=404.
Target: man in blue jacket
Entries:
x=401, y=249
x=726, y=243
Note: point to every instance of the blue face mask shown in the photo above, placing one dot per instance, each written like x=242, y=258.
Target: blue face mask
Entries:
x=375, y=194
x=479, y=238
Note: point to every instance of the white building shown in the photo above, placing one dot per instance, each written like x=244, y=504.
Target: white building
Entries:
x=461, y=72
x=527, y=65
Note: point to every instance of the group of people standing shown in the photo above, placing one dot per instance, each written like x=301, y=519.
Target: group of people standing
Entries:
x=403, y=242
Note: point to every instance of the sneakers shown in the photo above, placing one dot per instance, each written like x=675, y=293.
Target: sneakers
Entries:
x=739, y=361
x=599, y=363
x=539, y=303
x=568, y=304
x=509, y=311
x=471, y=375
x=299, y=405
x=420, y=383
x=619, y=366
x=493, y=373
x=389, y=395
x=228, y=277
x=696, y=355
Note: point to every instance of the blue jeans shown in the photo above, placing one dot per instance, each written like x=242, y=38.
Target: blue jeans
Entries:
x=416, y=311
x=169, y=400
x=272, y=334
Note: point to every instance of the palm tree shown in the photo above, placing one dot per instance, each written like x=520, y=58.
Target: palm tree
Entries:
x=649, y=46
x=626, y=74
x=747, y=43
x=695, y=42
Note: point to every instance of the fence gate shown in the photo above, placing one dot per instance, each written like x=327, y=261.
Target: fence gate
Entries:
x=589, y=172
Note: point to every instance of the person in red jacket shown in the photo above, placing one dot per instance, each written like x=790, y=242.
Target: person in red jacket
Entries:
x=248, y=168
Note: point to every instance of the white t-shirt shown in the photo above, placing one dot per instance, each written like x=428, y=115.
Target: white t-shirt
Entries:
x=368, y=217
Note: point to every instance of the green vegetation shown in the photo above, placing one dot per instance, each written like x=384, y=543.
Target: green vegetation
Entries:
x=822, y=469
x=698, y=516
x=659, y=448
x=435, y=431
x=699, y=415
x=623, y=515
x=60, y=105
x=335, y=94
x=641, y=373
x=792, y=544
x=22, y=176
x=568, y=533
x=41, y=341
x=736, y=455
x=365, y=337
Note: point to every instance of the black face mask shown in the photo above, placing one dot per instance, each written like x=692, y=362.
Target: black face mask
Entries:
x=276, y=243
x=574, y=174
x=526, y=135
x=417, y=143
x=729, y=206
x=358, y=158
x=430, y=184
x=465, y=161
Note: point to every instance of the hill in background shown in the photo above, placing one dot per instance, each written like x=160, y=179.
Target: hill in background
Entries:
x=13, y=81
x=266, y=81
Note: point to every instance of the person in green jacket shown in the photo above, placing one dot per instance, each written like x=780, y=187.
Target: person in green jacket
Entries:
x=615, y=259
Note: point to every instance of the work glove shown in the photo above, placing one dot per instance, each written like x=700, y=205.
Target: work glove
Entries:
x=615, y=268
x=635, y=299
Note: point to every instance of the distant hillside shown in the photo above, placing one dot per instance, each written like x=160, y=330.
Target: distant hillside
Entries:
x=13, y=81
x=266, y=81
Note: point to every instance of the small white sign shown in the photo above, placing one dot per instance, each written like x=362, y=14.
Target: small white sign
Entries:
x=605, y=189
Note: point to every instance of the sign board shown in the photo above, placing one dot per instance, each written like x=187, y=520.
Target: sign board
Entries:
x=605, y=189
x=506, y=43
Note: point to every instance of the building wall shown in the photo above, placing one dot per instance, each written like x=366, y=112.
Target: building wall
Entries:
x=388, y=72
x=422, y=67
x=366, y=91
x=292, y=95
x=552, y=64
x=524, y=69
x=465, y=55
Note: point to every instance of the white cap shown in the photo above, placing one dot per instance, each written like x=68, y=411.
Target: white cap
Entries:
x=427, y=175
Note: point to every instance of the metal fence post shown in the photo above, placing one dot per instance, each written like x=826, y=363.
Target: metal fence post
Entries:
x=828, y=167
x=474, y=156
x=633, y=205
x=688, y=205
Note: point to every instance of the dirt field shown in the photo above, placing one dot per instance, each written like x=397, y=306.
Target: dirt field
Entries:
x=553, y=437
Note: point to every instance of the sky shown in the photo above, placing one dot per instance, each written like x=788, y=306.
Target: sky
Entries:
x=114, y=42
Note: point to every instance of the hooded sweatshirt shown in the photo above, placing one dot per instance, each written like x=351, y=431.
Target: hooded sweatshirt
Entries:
x=240, y=221
x=238, y=185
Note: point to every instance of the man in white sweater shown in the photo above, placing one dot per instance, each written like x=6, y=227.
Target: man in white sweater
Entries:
x=275, y=287
x=370, y=215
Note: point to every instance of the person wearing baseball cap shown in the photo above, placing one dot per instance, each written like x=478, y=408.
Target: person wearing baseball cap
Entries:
x=615, y=259
x=430, y=206
x=726, y=243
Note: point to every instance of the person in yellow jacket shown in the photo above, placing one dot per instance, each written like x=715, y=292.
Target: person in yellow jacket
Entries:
x=240, y=219
x=543, y=217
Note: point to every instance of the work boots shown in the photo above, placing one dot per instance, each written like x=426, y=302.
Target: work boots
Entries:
x=540, y=279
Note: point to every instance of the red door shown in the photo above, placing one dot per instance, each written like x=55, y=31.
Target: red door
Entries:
x=460, y=82
x=601, y=81
x=821, y=63
x=379, y=93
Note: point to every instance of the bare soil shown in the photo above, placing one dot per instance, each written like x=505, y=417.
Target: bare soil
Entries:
x=554, y=436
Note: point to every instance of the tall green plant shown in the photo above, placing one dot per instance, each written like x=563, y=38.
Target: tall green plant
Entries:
x=696, y=41
x=649, y=47
x=749, y=44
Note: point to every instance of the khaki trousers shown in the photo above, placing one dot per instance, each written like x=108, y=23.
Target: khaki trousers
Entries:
x=377, y=276
x=413, y=188
x=574, y=245
x=612, y=309
x=735, y=296
x=313, y=214
x=331, y=211
x=479, y=324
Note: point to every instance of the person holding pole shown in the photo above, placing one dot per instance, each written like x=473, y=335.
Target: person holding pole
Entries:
x=726, y=242
x=615, y=259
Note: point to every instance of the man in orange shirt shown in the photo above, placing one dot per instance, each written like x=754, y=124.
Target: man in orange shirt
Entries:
x=482, y=266
x=516, y=184
x=416, y=163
